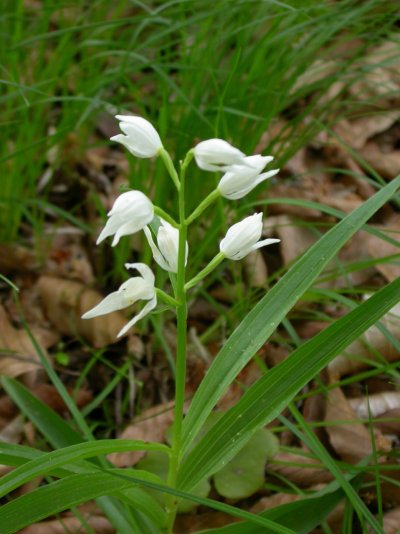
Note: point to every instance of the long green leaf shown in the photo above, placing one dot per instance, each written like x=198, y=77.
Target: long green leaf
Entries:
x=60, y=434
x=55, y=429
x=26, y=457
x=76, y=489
x=204, y=501
x=263, y=319
x=56, y=497
x=263, y=401
x=50, y=461
x=302, y=516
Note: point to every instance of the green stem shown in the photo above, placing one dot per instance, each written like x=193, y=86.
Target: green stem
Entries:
x=167, y=299
x=207, y=270
x=170, y=167
x=180, y=376
x=212, y=197
x=164, y=215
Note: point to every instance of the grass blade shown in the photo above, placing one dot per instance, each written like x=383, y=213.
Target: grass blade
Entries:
x=271, y=393
x=52, y=460
x=302, y=516
x=56, y=497
x=262, y=320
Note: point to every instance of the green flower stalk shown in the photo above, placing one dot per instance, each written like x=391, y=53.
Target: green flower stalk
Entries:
x=133, y=212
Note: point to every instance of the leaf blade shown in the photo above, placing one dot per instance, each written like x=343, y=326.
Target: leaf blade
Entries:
x=262, y=320
x=265, y=399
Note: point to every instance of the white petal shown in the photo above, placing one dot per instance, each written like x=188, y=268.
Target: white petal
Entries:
x=141, y=137
x=266, y=175
x=158, y=257
x=136, y=288
x=112, y=302
x=242, y=236
x=168, y=242
x=146, y=309
x=111, y=226
x=144, y=270
x=119, y=138
x=131, y=201
x=264, y=243
x=128, y=228
x=217, y=155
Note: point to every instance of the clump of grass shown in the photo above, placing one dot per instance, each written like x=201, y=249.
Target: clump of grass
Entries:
x=228, y=68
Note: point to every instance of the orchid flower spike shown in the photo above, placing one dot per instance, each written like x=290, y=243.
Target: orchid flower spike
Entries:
x=165, y=252
x=131, y=212
x=141, y=138
x=243, y=237
x=134, y=289
x=217, y=155
x=241, y=179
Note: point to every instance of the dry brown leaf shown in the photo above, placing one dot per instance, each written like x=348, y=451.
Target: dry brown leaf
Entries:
x=256, y=269
x=304, y=474
x=386, y=164
x=295, y=239
x=65, y=301
x=375, y=404
x=356, y=132
x=15, y=258
x=272, y=501
x=349, y=362
x=150, y=426
x=18, y=355
x=390, y=427
x=67, y=258
x=391, y=522
x=382, y=78
x=70, y=524
x=188, y=523
x=268, y=503
x=13, y=431
x=350, y=439
x=378, y=248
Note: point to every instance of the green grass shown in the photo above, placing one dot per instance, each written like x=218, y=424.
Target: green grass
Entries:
x=196, y=69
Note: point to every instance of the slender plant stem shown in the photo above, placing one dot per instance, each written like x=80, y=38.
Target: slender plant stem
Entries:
x=170, y=167
x=162, y=295
x=212, y=197
x=164, y=215
x=207, y=270
x=180, y=376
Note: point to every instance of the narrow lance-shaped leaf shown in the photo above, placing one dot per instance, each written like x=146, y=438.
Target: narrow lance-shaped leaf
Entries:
x=263, y=319
x=48, y=462
x=73, y=490
x=263, y=401
x=60, y=434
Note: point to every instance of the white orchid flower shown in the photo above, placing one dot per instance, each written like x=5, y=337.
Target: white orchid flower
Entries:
x=141, y=138
x=131, y=212
x=241, y=179
x=243, y=237
x=134, y=289
x=165, y=252
x=217, y=155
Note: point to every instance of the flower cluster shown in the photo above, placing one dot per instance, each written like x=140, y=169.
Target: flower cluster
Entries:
x=133, y=211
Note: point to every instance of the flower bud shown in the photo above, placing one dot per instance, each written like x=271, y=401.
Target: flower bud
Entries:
x=217, y=155
x=134, y=289
x=166, y=253
x=131, y=212
x=243, y=237
x=241, y=179
x=141, y=138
